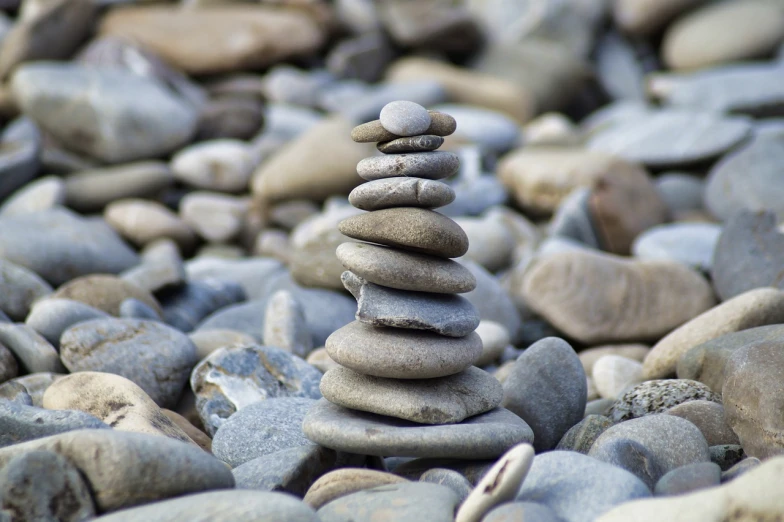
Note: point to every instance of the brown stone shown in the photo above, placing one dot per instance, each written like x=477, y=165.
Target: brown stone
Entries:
x=105, y=292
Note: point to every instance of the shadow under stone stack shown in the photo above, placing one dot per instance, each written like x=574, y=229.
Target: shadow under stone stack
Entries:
x=406, y=384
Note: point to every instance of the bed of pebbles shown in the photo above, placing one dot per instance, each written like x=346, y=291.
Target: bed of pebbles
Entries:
x=357, y=260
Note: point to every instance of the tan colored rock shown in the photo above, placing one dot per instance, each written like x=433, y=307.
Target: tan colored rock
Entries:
x=194, y=433
x=113, y=399
x=708, y=416
x=612, y=374
x=723, y=32
x=597, y=297
x=495, y=337
x=321, y=360
x=755, y=495
x=466, y=86
x=540, y=178
x=142, y=222
x=643, y=17
x=216, y=217
x=217, y=38
x=319, y=163
x=758, y=307
x=346, y=481
x=589, y=356
x=105, y=292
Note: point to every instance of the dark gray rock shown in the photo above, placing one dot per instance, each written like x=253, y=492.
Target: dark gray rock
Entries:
x=632, y=456
x=449, y=478
x=401, y=192
x=154, y=356
x=20, y=423
x=749, y=254
x=403, y=501
x=547, y=389
x=9, y=368
x=582, y=435
x=51, y=317
x=692, y=477
x=422, y=143
x=427, y=165
x=19, y=288
x=59, y=245
x=444, y=314
x=33, y=352
x=480, y=437
x=21, y=143
x=579, y=488
x=658, y=396
x=42, y=485
x=727, y=455
x=186, y=306
x=260, y=429
x=232, y=378
x=292, y=470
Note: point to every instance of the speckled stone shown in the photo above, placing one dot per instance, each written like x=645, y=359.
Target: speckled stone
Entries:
x=405, y=270
x=582, y=435
x=445, y=400
x=658, y=396
x=231, y=378
x=401, y=354
x=727, y=455
x=479, y=437
x=404, y=118
x=429, y=165
x=440, y=125
x=424, y=143
x=401, y=192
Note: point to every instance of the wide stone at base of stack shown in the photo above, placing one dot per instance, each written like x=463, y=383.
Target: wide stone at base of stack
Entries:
x=406, y=384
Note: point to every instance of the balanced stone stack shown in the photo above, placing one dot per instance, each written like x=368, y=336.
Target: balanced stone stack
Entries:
x=406, y=385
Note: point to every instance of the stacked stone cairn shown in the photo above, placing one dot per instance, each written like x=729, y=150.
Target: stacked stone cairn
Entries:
x=406, y=384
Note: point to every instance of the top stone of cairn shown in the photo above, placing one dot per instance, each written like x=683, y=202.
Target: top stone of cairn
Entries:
x=405, y=118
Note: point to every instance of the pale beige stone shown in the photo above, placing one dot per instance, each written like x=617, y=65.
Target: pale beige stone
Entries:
x=643, y=17
x=207, y=341
x=612, y=374
x=589, y=356
x=142, y=222
x=346, y=481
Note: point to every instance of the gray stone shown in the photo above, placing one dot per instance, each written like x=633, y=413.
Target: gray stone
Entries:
x=185, y=307
x=709, y=417
x=59, y=245
x=21, y=423
x=260, y=429
x=691, y=244
x=161, y=267
x=235, y=505
x=401, y=354
x=405, y=270
x=401, y=192
x=153, y=467
x=658, y=396
x=445, y=400
x=22, y=143
x=285, y=325
x=424, y=143
x=492, y=301
x=132, y=308
x=51, y=317
x=444, y=314
x=234, y=377
x=689, y=478
x=413, y=469
x=671, y=138
x=682, y=193
x=441, y=124
x=547, y=389
x=578, y=488
x=36, y=385
x=404, y=118
x=670, y=441
x=110, y=114
x=12, y=391
x=449, y=478
x=154, y=356
x=483, y=436
x=364, y=57
x=33, y=352
x=572, y=219
x=42, y=485
x=404, y=501
x=582, y=435
x=727, y=455
x=292, y=470
x=490, y=129
x=429, y=165
x=517, y=511
x=8, y=365
x=749, y=254
x=19, y=288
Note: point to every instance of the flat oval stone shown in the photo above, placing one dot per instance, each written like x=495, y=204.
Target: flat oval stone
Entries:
x=449, y=478
x=346, y=481
x=689, y=243
x=401, y=354
x=444, y=314
x=104, y=292
x=480, y=437
x=428, y=165
x=445, y=400
x=709, y=417
x=441, y=124
x=22, y=422
x=401, y=192
x=31, y=350
x=415, y=229
x=405, y=270
x=424, y=143
x=404, y=118
x=402, y=501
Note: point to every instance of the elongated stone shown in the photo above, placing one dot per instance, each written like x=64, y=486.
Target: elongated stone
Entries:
x=401, y=192
x=440, y=125
x=429, y=165
x=424, y=143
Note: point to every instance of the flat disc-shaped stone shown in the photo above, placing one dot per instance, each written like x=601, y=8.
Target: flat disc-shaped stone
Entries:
x=401, y=354
x=429, y=165
x=444, y=314
x=415, y=229
x=484, y=436
x=446, y=400
x=401, y=192
x=405, y=270
x=424, y=143
x=441, y=124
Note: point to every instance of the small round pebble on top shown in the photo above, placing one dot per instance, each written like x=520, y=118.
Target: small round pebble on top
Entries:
x=405, y=118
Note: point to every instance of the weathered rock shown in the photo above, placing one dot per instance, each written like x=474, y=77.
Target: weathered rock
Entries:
x=401, y=501
x=20, y=288
x=658, y=396
x=428, y=165
x=33, y=352
x=582, y=435
x=422, y=143
x=401, y=192
x=342, y=482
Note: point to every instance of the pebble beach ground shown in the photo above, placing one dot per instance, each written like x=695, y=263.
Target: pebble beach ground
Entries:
x=392, y=260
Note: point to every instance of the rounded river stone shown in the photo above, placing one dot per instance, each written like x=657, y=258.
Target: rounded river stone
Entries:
x=441, y=124
x=401, y=354
x=342, y=482
x=424, y=143
x=401, y=192
x=416, y=229
x=404, y=118
x=429, y=165
x=445, y=400
x=480, y=437
x=658, y=396
x=401, y=501
x=405, y=270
